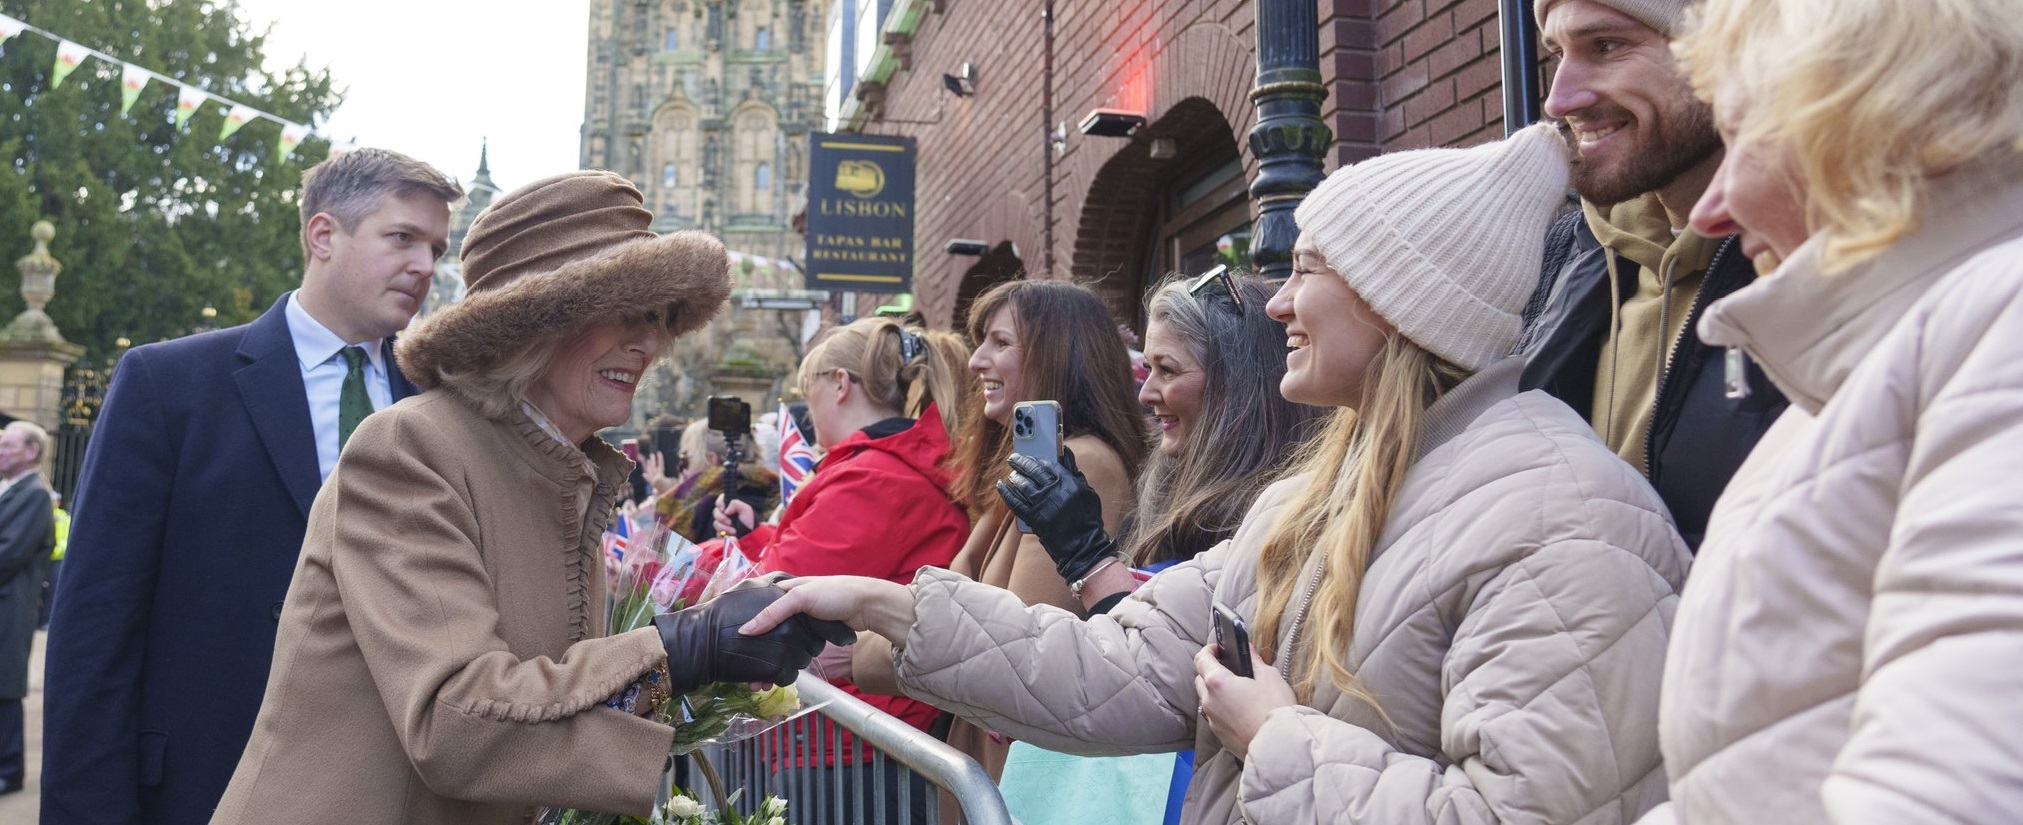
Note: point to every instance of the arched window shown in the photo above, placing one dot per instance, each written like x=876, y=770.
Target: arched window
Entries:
x=672, y=42
x=677, y=154
x=753, y=155
x=761, y=42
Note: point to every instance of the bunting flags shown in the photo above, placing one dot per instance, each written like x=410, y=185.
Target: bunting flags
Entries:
x=69, y=56
x=10, y=27
x=291, y=137
x=188, y=101
x=797, y=459
x=240, y=115
x=135, y=79
x=132, y=80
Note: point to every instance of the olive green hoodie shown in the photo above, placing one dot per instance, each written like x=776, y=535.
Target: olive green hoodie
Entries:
x=1647, y=322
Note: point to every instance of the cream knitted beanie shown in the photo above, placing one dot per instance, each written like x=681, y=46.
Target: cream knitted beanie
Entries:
x=1663, y=15
x=1445, y=244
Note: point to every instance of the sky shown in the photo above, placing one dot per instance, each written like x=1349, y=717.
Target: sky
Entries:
x=436, y=78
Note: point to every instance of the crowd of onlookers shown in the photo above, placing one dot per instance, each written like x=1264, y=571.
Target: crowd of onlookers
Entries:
x=1686, y=499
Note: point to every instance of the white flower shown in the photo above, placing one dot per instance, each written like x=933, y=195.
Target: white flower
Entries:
x=778, y=820
x=773, y=807
x=682, y=807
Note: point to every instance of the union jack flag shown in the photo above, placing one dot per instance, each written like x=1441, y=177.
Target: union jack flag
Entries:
x=797, y=459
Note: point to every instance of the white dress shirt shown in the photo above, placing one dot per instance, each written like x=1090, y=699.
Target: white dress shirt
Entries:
x=317, y=350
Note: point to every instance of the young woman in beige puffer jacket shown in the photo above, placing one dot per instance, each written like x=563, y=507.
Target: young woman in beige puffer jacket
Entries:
x=1851, y=647
x=1460, y=602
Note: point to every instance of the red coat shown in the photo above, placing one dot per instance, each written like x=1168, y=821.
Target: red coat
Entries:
x=878, y=507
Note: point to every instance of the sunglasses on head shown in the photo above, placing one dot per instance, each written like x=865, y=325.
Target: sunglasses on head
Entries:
x=1218, y=275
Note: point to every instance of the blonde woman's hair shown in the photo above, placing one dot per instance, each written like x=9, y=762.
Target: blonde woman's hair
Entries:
x=1870, y=100
x=1356, y=466
x=875, y=352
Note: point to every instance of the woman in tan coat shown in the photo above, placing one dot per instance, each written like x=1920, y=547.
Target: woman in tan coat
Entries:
x=1035, y=341
x=438, y=659
x=1458, y=602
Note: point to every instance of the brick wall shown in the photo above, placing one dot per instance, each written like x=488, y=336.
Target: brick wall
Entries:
x=1401, y=74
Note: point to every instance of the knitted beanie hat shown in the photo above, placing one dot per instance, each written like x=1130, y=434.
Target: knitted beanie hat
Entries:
x=1663, y=15
x=1445, y=244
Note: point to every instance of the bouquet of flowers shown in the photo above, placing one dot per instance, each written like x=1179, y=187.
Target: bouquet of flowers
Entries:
x=683, y=808
x=649, y=573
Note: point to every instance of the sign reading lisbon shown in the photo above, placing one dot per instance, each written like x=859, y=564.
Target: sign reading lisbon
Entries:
x=860, y=213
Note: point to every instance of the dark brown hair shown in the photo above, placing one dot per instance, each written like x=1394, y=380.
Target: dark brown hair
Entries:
x=1080, y=362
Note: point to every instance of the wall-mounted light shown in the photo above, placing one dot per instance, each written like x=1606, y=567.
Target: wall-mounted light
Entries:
x=1111, y=123
x=964, y=246
x=963, y=82
x=1059, y=138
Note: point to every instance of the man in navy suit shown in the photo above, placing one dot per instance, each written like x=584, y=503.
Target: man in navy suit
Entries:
x=195, y=495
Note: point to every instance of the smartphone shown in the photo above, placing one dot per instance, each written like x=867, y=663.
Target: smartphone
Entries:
x=1232, y=641
x=1036, y=434
x=630, y=447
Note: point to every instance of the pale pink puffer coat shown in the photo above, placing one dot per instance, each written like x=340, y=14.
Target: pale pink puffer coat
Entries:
x=1513, y=625
x=1850, y=646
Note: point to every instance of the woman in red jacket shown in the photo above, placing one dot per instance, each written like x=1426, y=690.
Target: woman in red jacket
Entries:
x=880, y=504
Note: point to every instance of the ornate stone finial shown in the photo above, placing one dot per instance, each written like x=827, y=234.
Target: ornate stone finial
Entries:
x=38, y=284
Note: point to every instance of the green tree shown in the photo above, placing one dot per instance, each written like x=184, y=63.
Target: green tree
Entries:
x=153, y=223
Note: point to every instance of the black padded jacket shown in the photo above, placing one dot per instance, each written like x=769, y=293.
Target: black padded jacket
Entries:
x=1700, y=432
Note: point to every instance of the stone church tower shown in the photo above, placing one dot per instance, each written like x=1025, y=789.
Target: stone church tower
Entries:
x=706, y=105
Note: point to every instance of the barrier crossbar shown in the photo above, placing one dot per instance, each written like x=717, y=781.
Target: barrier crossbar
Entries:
x=874, y=791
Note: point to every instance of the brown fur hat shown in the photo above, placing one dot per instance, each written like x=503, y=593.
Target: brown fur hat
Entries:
x=553, y=257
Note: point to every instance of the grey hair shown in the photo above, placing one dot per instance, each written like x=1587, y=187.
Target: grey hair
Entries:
x=1247, y=430
x=32, y=433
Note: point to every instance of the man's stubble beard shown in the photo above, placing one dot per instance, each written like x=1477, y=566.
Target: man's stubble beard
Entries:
x=1684, y=138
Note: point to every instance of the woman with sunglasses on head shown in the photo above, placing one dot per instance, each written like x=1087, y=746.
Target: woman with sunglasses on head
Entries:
x=1215, y=359
x=1458, y=601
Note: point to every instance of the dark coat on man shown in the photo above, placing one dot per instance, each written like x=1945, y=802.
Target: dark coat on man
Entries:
x=1699, y=431
x=27, y=536
x=190, y=513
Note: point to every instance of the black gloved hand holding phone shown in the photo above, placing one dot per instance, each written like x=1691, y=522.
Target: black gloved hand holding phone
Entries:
x=1062, y=509
x=704, y=646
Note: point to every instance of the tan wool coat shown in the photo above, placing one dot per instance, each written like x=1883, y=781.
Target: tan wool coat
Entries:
x=438, y=659
x=1512, y=625
x=999, y=555
x=1850, y=648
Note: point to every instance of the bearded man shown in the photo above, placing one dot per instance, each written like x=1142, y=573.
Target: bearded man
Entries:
x=1626, y=280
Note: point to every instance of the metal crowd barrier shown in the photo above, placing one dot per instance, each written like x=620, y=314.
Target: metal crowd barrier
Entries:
x=882, y=793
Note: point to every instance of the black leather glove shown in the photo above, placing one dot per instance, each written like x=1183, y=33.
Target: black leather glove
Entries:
x=704, y=646
x=1062, y=510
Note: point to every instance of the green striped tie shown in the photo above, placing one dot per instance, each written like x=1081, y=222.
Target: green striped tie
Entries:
x=352, y=404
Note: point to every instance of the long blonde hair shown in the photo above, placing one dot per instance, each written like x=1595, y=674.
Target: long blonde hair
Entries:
x=1356, y=466
x=874, y=352
x=1870, y=100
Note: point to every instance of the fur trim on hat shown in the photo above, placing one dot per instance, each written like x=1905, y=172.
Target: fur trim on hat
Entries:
x=688, y=273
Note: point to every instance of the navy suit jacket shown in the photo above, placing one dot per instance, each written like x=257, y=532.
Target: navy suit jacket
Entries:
x=190, y=512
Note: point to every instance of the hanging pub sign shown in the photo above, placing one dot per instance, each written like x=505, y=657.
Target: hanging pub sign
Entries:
x=860, y=213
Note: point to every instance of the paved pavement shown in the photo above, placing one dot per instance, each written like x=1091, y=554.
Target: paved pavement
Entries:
x=21, y=808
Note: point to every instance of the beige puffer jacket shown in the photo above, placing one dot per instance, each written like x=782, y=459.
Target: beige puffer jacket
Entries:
x=1851, y=647
x=1513, y=624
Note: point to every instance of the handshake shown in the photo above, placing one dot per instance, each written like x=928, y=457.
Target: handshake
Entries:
x=704, y=646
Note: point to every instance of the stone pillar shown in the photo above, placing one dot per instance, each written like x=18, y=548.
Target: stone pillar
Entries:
x=1290, y=140
x=33, y=353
